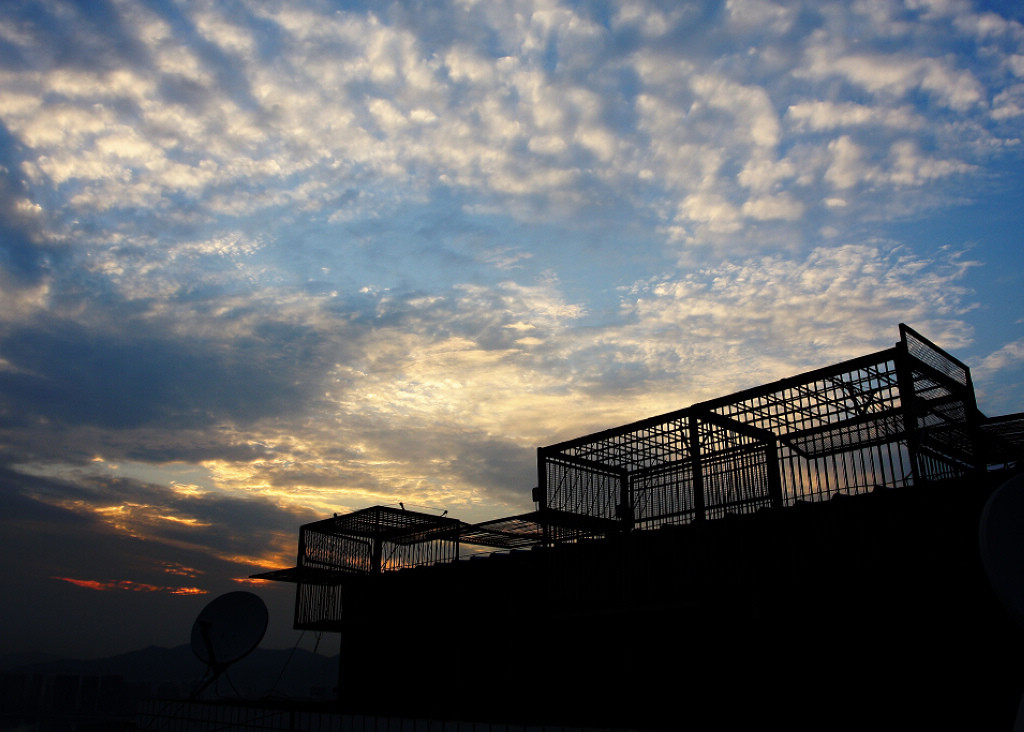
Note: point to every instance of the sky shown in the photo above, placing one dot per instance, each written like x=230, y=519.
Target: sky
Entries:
x=261, y=262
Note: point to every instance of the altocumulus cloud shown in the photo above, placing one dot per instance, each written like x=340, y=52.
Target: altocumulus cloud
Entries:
x=260, y=262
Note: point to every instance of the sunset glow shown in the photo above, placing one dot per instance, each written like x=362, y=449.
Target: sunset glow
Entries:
x=130, y=586
x=263, y=262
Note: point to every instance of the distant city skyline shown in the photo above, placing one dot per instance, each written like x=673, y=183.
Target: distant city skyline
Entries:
x=264, y=262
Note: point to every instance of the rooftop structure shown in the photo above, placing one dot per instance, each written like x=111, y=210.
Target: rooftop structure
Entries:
x=724, y=519
x=903, y=416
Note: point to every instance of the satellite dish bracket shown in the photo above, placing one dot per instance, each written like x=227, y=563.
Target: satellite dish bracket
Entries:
x=228, y=629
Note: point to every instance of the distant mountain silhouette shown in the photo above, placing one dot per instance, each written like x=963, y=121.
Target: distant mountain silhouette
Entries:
x=176, y=672
x=14, y=661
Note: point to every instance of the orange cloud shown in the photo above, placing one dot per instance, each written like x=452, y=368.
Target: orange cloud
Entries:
x=130, y=586
x=180, y=569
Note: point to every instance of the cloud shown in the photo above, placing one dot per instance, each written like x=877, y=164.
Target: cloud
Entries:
x=267, y=145
x=904, y=165
x=410, y=410
x=994, y=377
x=210, y=535
x=760, y=15
x=75, y=375
x=129, y=586
x=825, y=115
x=740, y=324
x=28, y=254
x=70, y=540
x=1010, y=355
x=898, y=75
x=372, y=98
x=259, y=264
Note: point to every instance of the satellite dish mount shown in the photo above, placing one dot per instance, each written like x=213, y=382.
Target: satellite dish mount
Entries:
x=227, y=630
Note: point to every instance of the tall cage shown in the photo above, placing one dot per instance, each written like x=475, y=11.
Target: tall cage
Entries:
x=902, y=416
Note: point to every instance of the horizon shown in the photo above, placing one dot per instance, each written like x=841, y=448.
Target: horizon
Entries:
x=7, y=664
x=262, y=264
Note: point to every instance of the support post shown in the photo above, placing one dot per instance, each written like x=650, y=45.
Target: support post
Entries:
x=540, y=495
x=625, y=507
x=699, y=509
x=908, y=408
x=377, y=546
x=772, y=469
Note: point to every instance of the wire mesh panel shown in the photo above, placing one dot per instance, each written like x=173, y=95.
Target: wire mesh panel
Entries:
x=648, y=444
x=946, y=445
x=859, y=469
x=664, y=495
x=840, y=429
x=730, y=475
x=943, y=409
x=323, y=549
x=734, y=471
x=634, y=472
x=920, y=348
x=814, y=410
x=586, y=490
x=419, y=548
x=317, y=606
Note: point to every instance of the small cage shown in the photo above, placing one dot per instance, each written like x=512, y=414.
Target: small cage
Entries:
x=363, y=543
x=378, y=539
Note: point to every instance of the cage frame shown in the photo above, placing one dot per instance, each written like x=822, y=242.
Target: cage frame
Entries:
x=905, y=415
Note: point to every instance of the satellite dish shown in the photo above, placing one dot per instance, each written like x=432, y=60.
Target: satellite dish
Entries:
x=227, y=630
x=1001, y=536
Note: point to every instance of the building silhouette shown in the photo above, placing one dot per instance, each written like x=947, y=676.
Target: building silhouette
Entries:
x=804, y=552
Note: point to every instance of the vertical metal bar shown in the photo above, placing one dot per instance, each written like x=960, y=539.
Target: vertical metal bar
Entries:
x=377, y=548
x=846, y=473
x=773, y=470
x=541, y=495
x=892, y=477
x=811, y=479
x=698, y=471
x=908, y=406
x=867, y=464
x=791, y=459
x=970, y=403
x=626, y=510
x=825, y=471
x=298, y=586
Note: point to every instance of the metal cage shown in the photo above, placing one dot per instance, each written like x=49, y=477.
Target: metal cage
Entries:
x=364, y=543
x=902, y=416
